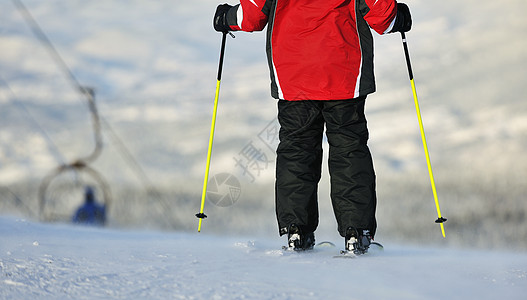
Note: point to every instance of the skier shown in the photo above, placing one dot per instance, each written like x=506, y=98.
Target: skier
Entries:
x=320, y=55
x=90, y=213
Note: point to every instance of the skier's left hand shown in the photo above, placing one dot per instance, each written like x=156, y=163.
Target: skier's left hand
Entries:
x=220, y=18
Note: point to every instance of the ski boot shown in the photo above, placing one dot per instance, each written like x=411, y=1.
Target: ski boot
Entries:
x=357, y=241
x=298, y=241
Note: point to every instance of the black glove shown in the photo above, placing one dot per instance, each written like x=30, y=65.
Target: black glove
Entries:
x=403, y=20
x=220, y=18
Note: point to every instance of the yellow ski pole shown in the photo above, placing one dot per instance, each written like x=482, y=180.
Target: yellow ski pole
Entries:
x=440, y=220
x=201, y=215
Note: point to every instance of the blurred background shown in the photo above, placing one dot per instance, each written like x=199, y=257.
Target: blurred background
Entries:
x=140, y=137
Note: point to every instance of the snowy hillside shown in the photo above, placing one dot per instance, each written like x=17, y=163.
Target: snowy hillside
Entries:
x=64, y=262
x=153, y=66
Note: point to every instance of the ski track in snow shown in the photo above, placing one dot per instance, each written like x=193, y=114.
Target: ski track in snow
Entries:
x=61, y=261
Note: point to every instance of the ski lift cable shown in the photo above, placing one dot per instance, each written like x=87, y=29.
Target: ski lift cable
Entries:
x=85, y=91
x=19, y=202
x=89, y=94
x=127, y=155
x=136, y=167
x=52, y=146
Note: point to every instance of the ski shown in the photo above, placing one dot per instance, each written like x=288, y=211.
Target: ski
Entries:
x=292, y=249
x=373, y=249
x=327, y=246
x=345, y=254
x=322, y=246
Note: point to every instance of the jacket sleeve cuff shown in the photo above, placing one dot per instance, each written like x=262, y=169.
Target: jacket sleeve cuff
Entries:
x=389, y=29
x=235, y=18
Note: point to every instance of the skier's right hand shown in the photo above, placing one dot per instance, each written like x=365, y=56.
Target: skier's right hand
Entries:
x=220, y=18
x=403, y=19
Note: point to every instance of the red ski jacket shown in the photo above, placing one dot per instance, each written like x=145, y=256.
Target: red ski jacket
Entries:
x=317, y=49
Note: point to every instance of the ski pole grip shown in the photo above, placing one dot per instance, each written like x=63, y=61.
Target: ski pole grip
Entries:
x=407, y=56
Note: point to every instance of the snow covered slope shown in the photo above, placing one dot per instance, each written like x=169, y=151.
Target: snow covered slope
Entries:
x=40, y=261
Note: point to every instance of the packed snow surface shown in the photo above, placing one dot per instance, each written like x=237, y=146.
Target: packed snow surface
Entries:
x=60, y=261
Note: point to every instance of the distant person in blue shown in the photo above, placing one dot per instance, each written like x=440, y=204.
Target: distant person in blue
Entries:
x=90, y=213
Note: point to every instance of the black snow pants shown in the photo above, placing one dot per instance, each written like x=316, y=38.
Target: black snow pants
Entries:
x=299, y=163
